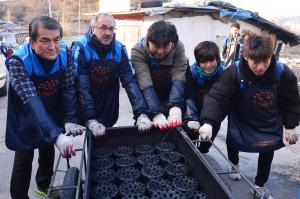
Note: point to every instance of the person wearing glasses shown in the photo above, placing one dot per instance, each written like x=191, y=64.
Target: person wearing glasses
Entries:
x=101, y=62
x=160, y=63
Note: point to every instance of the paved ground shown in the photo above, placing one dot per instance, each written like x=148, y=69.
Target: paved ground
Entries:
x=283, y=183
x=284, y=180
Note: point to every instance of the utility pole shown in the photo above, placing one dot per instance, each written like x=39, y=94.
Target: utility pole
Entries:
x=63, y=17
x=50, y=12
x=79, y=17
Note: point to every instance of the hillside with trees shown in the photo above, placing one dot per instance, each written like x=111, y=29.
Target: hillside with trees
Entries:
x=69, y=13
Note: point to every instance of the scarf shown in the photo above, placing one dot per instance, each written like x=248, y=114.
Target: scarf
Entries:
x=205, y=76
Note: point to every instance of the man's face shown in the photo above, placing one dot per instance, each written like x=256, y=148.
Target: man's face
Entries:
x=47, y=44
x=104, y=30
x=209, y=66
x=159, y=52
x=258, y=67
x=234, y=31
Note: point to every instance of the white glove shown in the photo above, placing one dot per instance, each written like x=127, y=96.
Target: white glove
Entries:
x=193, y=125
x=205, y=131
x=175, y=116
x=291, y=136
x=74, y=129
x=97, y=128
x=160, y=121
x=144, y=124
x=65, y=146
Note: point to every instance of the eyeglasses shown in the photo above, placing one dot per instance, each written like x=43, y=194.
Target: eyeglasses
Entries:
x=105, y=29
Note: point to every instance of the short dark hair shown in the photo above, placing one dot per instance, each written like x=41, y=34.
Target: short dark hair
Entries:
x=259, y=48
x=43, y=22
x=237, y=25
x=162, y=33
x=207, y=51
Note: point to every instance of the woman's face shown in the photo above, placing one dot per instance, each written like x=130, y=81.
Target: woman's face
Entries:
x=209, y=66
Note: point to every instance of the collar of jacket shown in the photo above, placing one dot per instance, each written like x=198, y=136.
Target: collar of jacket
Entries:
x=270, y=77
x=46, y=64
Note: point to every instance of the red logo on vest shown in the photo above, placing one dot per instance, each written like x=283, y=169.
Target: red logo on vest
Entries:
x=263, y=99
x=48, y=88
x=100, y=74
x=160, y=75
x=202, y=93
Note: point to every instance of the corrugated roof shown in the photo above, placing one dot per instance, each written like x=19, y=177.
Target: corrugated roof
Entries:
x=225, y=9
x=4, y=34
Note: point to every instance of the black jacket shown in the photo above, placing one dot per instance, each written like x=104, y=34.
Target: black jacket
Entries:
x=223, y=90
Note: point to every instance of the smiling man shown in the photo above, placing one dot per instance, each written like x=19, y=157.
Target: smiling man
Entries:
x=160, y=63
x=231, y=44
x=101, y=62
x=41, y=89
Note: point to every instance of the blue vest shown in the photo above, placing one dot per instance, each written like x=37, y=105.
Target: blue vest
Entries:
x=30, y=60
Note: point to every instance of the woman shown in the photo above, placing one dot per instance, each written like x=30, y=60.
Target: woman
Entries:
x=200, y=77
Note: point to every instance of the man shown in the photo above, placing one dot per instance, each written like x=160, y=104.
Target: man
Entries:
x=265, y=99
x=3, y=49
x=231, y=45
x=9, y=52
x=160, y=63
x=101, y=62
x=41, y=85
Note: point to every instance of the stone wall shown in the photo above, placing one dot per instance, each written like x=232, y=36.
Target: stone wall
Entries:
x=21, y=38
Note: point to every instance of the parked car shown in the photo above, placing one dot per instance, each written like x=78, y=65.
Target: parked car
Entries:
x=3, y=80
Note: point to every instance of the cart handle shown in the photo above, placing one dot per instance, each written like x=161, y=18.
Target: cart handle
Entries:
x=51, y=188
x=199, y=141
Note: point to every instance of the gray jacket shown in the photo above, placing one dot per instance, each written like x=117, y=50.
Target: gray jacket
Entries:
x=140, y=59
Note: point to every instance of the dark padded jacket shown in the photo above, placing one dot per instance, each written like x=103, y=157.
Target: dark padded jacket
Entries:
x=224, y=89
x=125, y=73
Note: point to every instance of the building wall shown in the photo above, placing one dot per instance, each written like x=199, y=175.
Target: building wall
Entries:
x=21, y=38
x=193, y=30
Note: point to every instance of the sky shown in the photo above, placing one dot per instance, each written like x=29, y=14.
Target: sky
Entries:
x=270, y=8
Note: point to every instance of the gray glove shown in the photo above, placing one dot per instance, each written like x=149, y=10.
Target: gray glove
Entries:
x=291, y=136
x=65, y=146
x=193, y=125
x=160, y=121
x=98, y=129
x=144, y=124
x=175, y=116
x=74, y=129
x=205, y=131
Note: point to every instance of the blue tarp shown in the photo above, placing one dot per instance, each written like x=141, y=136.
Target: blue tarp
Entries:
x=239, y=14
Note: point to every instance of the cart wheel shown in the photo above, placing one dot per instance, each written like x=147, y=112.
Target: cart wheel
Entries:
x=70, y=179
